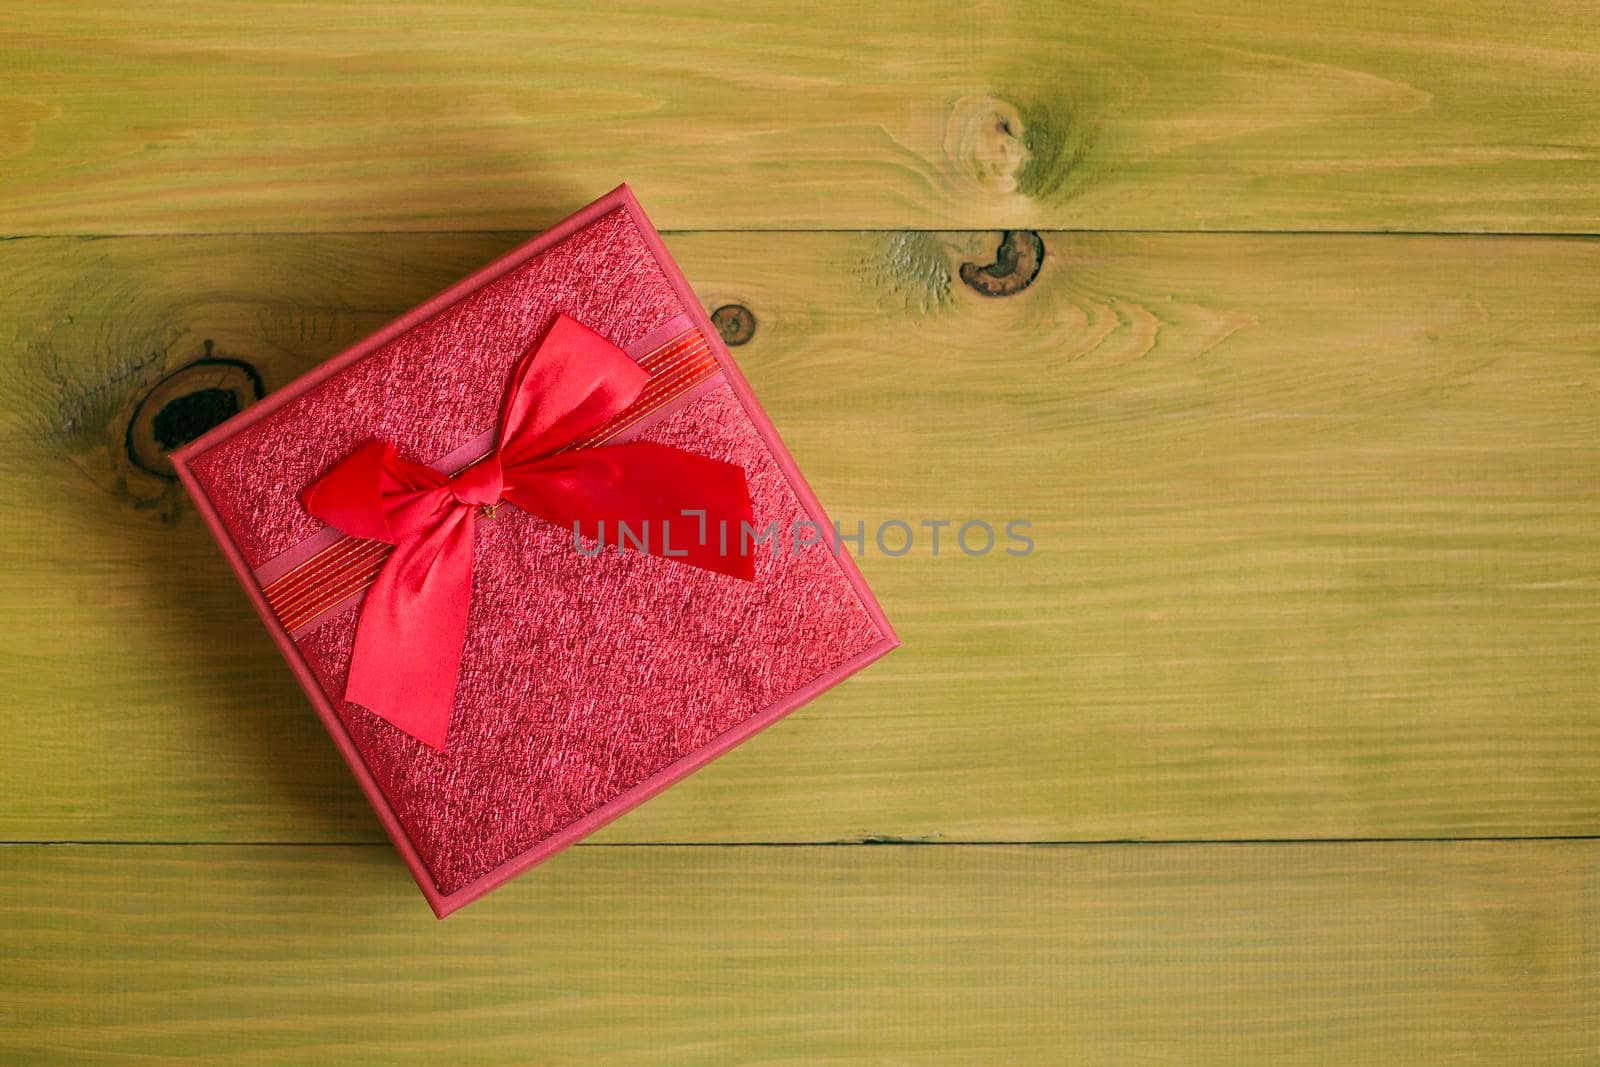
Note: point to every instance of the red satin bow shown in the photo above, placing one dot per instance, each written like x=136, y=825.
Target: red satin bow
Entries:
x=408, y=641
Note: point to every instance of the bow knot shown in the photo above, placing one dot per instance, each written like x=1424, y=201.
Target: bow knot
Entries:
x=409, y=638
x=479, y=485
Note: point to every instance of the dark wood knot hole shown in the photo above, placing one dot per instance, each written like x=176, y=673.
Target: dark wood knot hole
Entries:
x=735, y=323
x=1016, y=264
x=187, y=403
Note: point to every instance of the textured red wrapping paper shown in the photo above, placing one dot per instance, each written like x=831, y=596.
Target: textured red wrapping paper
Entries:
x=588, y=683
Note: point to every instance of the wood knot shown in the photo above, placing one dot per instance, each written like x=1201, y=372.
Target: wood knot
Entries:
x=184, y=405
x=984, y=138
x=1016, y=264
x=735, y=323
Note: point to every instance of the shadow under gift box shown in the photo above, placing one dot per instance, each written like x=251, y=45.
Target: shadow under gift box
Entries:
x=588, y=682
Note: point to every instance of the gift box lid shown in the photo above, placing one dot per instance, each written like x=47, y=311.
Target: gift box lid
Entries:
x=591, y=676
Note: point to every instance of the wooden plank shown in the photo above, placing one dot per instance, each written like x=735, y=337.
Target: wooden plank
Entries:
x=1225, y=954
x=256, y=116
x=1316, y=524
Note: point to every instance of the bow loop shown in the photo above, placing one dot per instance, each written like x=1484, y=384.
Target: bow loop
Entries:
x=409, y=639
x=578, y=383
x=376, y=494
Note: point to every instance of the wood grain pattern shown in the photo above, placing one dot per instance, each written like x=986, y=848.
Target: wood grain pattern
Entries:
x=1316, y=524
x=1316, y=518
x=1208, y=114
x=1302, y=954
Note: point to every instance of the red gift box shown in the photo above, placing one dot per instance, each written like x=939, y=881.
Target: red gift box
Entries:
x=591, y=674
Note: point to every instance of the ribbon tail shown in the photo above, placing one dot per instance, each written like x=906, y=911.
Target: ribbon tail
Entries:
x=644, y=496
x=413, y=624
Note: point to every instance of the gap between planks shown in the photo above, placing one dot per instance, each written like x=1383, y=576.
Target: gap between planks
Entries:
x=1269, y=842
x=1566, y=235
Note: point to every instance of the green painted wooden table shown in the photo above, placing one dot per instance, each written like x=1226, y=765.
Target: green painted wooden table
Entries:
x=1282, y=747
